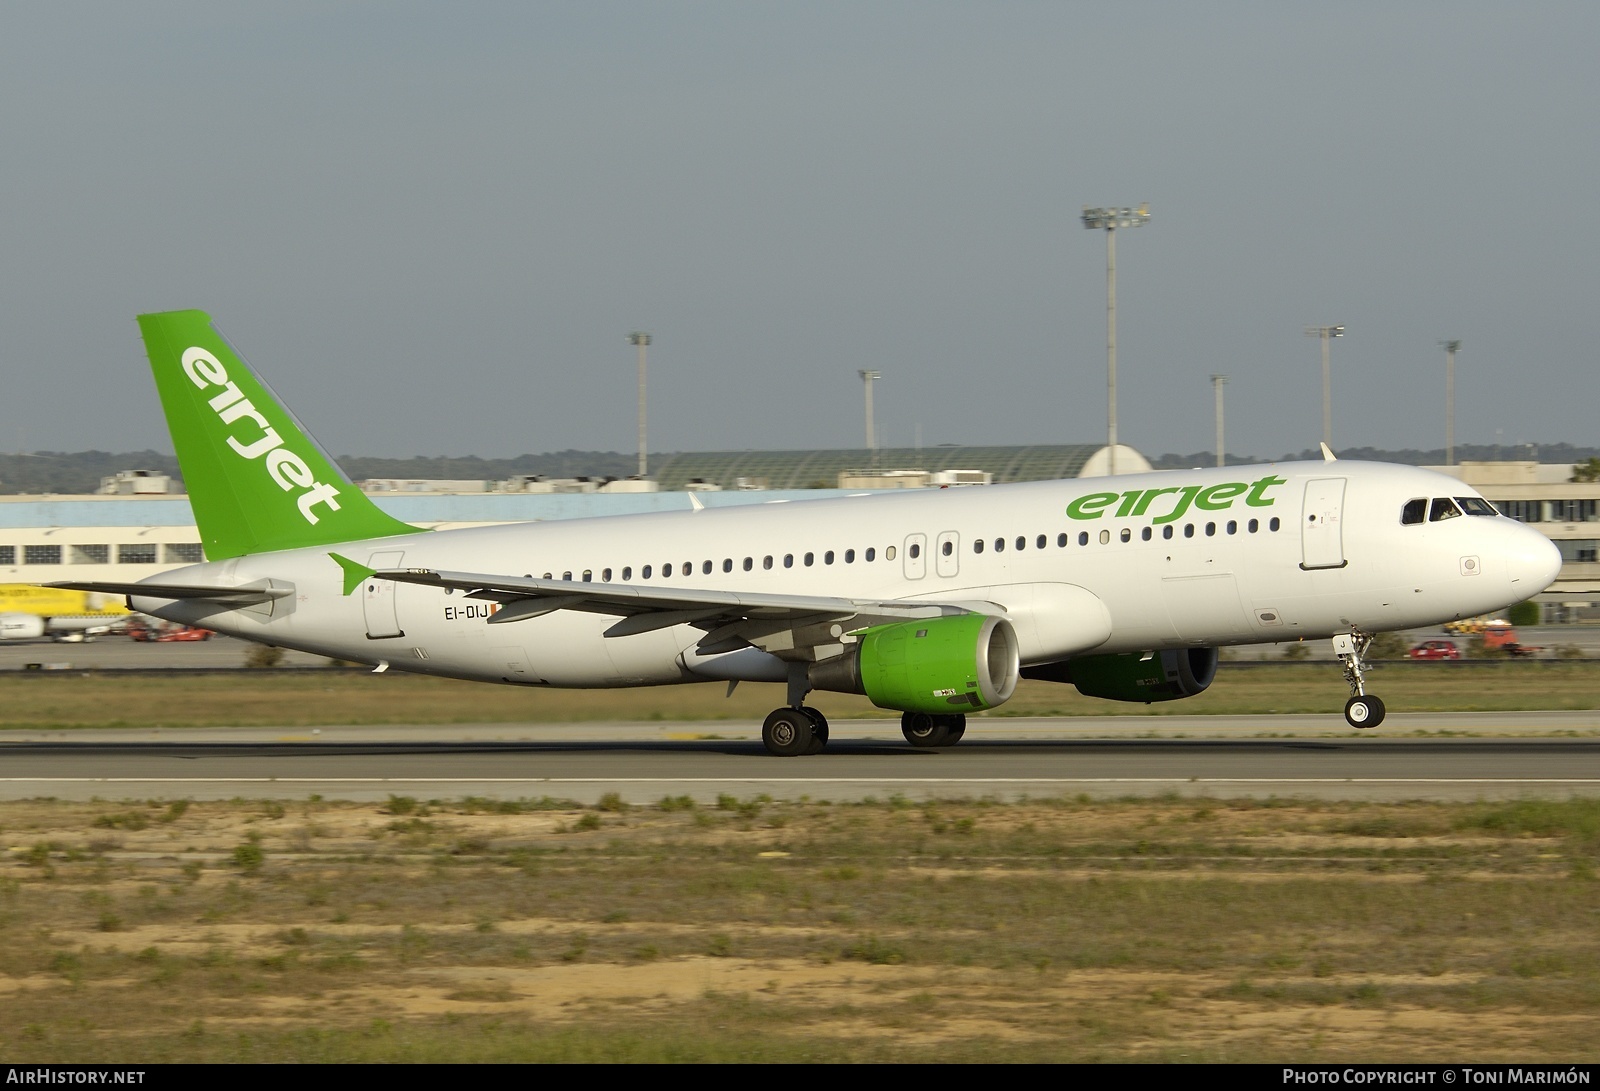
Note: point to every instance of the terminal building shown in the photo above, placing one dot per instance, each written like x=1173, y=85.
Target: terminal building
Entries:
x=129, y=530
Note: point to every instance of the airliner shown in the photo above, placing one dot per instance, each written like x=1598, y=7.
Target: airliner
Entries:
x=28, y=612
x=933, y=603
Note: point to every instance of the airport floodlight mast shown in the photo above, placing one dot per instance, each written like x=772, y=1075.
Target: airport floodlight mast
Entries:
x=1327, y=333
x=1450, y=348
x=642, y=341
x=1108, y=220
x=867, y=379
x=1217, y=383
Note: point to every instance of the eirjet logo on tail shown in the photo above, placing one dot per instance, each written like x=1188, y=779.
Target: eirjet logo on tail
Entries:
x=287, y=469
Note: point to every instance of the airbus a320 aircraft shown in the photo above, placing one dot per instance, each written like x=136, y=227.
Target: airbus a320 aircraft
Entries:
x=933, y=603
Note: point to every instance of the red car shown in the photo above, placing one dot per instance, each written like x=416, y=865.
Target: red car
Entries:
x=1435, y=649
x=154, y=634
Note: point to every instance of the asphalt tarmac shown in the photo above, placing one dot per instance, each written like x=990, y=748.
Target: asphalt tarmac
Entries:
x=1508, y=755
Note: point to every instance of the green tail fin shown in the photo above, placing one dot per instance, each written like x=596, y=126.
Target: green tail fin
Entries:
x=257, y=481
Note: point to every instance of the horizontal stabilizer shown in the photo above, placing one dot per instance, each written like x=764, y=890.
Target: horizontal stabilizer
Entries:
x=228, y=596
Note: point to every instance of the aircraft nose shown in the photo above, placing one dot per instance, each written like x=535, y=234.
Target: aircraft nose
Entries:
x=1533, y=561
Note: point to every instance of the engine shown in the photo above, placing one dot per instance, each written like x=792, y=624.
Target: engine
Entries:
x=961, y=663
x=21, y=627
x=1135, y=676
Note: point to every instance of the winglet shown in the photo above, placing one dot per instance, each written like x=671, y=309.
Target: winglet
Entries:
x=694, y=502
x=354, y=573
x=1327, y=454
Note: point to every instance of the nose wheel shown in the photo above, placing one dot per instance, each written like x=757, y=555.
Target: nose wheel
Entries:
x=1362, y=709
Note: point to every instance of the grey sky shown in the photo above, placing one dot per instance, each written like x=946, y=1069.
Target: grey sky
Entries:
x=431, y=226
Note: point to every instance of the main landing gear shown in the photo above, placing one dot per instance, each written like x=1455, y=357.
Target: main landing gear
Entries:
x=924, y=729
x=796, y=728
x=1363, y=709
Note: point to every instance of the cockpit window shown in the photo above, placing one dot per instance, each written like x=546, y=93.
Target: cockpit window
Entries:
x=1443, y=508
x=1415, y=511
x=1476, y=505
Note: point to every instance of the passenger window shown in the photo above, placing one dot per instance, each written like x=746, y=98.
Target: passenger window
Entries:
x=1166, y=531
x=916, y=551
x=644, y=573
x=605, y=576
x=788, y=560
x=948, y=548
x=566, y=576
x=1188, y=530
x=727, y=564
x=588, y=576
x=1061, y=541
x=888, y=552
x=749, y=563
x=705, y=568
x=1414, y=512
x=999, y=545
x=1022, y=543
x=1443, y=508
x=1274, y=525
x=849, y=556
x=1253, y=526
x=1233, y=527
x=977, y=545
x=1105, y=537
x=827, y=558
x=869, y=554
x=810, y=559
x=1039, y=542
x=1145, y=534
x=1083, y=537
x=627, y=573
x=1127, y=535
x=766, y=562
x=1211, y=530
x=666, y=571
x=688, y=568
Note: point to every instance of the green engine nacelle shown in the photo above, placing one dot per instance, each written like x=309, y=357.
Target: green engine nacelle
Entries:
x=1136, y=676
x=960, y=663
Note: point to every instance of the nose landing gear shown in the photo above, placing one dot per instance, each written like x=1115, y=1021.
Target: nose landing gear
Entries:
x=1363, y=709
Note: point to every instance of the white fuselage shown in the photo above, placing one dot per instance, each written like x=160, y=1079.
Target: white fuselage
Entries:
x=1255, y=554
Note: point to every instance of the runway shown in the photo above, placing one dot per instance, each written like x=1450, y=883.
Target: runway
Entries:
x=1508, y=755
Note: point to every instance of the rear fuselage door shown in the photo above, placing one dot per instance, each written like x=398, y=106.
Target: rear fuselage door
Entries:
x=1322, y=524
x=378, y=598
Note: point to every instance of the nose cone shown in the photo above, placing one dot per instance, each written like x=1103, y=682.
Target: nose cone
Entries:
x=1533, y=562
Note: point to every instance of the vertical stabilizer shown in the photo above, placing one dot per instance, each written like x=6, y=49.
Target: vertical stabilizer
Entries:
x=257, y=481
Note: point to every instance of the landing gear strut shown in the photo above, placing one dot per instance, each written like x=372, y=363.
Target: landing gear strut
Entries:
x=924, y=729
x=797, y=728
x=1363, y=709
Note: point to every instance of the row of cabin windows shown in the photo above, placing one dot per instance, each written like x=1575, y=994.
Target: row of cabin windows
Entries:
x=1126, y=535
x=914, y=551
x=142, y=553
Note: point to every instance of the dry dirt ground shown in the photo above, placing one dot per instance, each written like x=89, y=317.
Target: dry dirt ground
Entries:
x=1049, y=930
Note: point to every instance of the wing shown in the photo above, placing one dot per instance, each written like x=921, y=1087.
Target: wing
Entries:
x=789, y=626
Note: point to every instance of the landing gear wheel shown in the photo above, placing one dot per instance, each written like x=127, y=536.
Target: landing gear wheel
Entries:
x=819, y=729
x=926, y=730
x=1364, y=711
x=788, y=733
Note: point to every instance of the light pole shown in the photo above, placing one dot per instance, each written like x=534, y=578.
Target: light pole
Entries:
x=867, y=379
x=1217, y=383
x=1108, y=220
x=642, y=342
x=1327, y=333
x=1450, y=348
